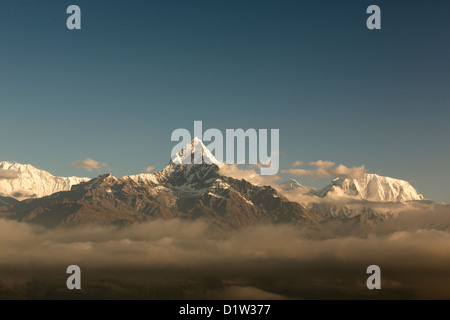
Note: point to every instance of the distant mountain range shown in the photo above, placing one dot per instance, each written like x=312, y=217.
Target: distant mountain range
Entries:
x=372, y=187
x=371, y=198
x=191, y=191
x=24, y=181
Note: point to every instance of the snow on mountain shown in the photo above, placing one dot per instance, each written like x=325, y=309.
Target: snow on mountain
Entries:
x=371, y=187
x=194, y=152
x=23, y=181
x=202, y=190
x=191, y=191
x=147, y=178
x=179, y=171
x=291, y=184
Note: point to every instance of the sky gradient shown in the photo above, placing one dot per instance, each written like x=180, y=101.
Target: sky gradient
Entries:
x=115, y=90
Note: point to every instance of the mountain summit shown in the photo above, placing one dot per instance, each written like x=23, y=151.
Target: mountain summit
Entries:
x=194, y=152
x=23, y=181
x=372, y=187
x=203, y=167
x=291, y=184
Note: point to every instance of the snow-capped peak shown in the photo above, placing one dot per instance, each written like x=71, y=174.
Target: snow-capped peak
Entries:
x=372, y=187
x=194, y=152
x=291, y=184
x=16, y=167
x=23, y=181
x=107, y=178
x=147, y=178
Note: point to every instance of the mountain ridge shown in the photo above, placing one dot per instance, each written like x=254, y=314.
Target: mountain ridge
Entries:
x=372, y=187
x=24, y=181
x=198, y=191
x=186, y=191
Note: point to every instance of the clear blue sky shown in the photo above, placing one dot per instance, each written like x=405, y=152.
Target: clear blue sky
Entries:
x=115, y=90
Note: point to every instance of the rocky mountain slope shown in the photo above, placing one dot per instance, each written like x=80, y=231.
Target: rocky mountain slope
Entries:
x=5, y=201
x=291, y=184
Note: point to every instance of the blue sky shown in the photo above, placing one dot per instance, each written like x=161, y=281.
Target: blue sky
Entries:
x=115, y=90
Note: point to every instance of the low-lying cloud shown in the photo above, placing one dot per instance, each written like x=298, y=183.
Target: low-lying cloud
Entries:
x=271, y=261
x=181, y=243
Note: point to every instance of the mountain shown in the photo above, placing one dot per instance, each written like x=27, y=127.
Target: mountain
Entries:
x=196, y=191
x=371, y=187
x=23, y=181
x=203, y=155
x=368, y=200
x=187, y=191
x=291, y=184
x=6, y=201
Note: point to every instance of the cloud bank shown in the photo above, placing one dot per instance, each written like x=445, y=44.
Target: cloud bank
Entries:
x=267, y=261
x=326, y=169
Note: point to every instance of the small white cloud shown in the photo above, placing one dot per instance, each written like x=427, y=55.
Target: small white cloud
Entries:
x=297, y=164
x=322, y=164
x=89, y=164
x=345, y=172
x=149, y=169
x=250, y=175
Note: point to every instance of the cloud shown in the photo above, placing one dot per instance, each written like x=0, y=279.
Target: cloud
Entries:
x=297, y=164
x=261, y=262
x=188, y=243
x=8, y=174
x=304, y=173
x=345, y=172
x=326, y=169
x=248, y=174
x=322, y=164
x=89, y=164
x=149, y=169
